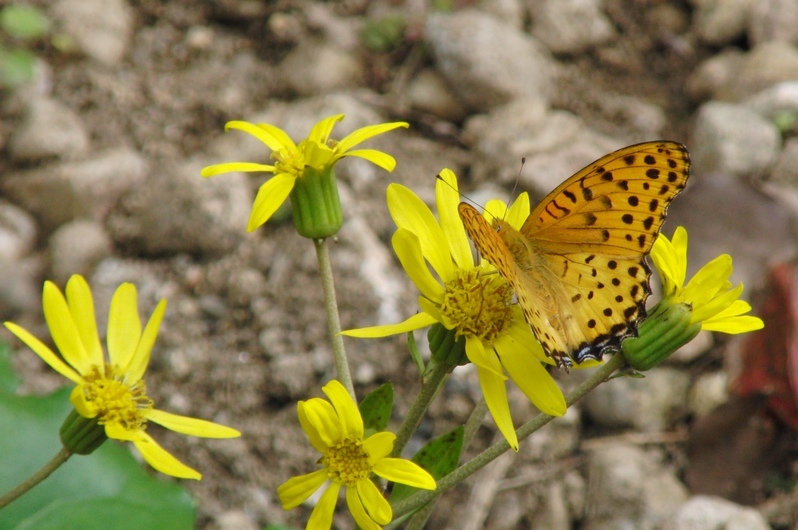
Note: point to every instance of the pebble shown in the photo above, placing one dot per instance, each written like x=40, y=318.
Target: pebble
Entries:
x=48, y=129
x=429, y=92
x=785, y=170
x=776, y=102
x=650, y=404
x=487, y=62
x=773, y=20
x=733, y=140
x=76, y=248
x=86, y=189
x=101, y=29
x=184, y=213
x=708, y=392
x=314, y=67
x=18, y=232
x=629, y=488
x=720, y=22
x=702, y=512
x=20, y=287
x=571, y=26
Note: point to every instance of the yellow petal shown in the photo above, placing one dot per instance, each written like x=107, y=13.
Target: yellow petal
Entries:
x=162, y=460
x=378, y=446
x=124, y=326
x=378, y=158
x=45, y=353
x=345, y=406
x=63, y=330
x=518, y=213
x=531, y=377
x=270, y=135
x=141, y=358
x=117, y=431
x=430, y=309
x=734, y=325
x=321, y=131
x=77, y=397
x=408, y=249
x=404, y=472
x=377, y=506
x=190, y=426
x=322, y=515
x=81, y=306
x=358, y=511
x=409, y=212
x=321, y=419
x=447, y=199
x=364, y=133
x=271, y=195
x=311, y=429
x=316, y=155
x=235, y=167
x=483, y=357
x=417, y=321
x=297, y=490
x=495, y=393
x=524, y=339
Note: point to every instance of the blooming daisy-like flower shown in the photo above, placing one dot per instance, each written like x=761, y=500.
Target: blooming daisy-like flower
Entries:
x=314, y=156
x=112, y=390
x=335, y=429
x=714, y=302
x=470, y=298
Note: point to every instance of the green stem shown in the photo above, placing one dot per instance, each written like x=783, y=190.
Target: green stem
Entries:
x=62, y=456
x=333, y=321
x=601, y=375
x=416, y=413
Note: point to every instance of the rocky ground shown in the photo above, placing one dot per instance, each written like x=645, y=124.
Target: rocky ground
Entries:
x=100, y=176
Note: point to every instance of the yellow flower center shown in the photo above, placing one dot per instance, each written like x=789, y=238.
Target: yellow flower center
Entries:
x=289, y=162
x=478, y=304
x=347, y=462
x=116, y=402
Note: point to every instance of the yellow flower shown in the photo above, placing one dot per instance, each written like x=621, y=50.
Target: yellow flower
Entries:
x=335, y=429
x=112, y=390
x=470, y=298
x=317, y=151
x=714, y=302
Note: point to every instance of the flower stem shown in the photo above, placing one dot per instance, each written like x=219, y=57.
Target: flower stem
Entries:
x=601, y=375
x=62, y=456
x=416, y=413
x=333, y=321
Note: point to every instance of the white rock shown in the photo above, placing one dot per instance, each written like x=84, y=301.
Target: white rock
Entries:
x=429, y=92
x=703, y=513
x=776, y=100
x=17, y=232
x=76, y=247
x=88, y=189
x=49, y=128
x=570, y=26
x=785, y=171
x=314, y=67
x=733, y=140
x=487, y=62
x=629, y=488
x=709, y=391
x=101, y=28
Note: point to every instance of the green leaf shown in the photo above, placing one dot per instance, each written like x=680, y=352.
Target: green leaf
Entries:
x=8, y=379
x=107, y=489
x=414, y=353
x=439, y=457
x=23, y=22
x=16, y=67
x=376, y=408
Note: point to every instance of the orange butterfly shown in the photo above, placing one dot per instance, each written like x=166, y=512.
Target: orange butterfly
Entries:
x=577, y=264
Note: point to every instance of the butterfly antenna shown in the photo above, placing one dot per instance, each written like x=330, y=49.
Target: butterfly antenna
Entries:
x=515, y=185
x=463, y=195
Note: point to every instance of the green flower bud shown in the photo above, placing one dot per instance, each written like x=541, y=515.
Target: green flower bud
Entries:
x=664, y=331
x=315, y=204
x=82, y=436
x=446, y=348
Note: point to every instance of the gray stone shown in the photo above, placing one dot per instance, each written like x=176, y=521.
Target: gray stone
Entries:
x=429, y=92
x=20, y=287
x=785, y=170
x=88, y=189
x=17, y=232
x=720, y=22
x=709, y=392
x=707, y=513
x=777, y=102
x=570, y=26
x=49, y=128
x=629, y=488
x=76, y=247
x=714, y=77
x=650, y=404
x=733, y=140
x=314, y=67
x=487, y=62
x=177, y=211
x=101, y=29
x=774, y=20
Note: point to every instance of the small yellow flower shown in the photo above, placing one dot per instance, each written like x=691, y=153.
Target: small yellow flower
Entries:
x=335, y=429
x=317, y=151
x=112, y=390
x=714, y=302
x=470, y=298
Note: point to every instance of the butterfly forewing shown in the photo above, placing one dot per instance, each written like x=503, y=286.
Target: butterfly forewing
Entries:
x=578, y=263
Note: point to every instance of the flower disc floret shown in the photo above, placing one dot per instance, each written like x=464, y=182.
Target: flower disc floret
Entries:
x=478, y=304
